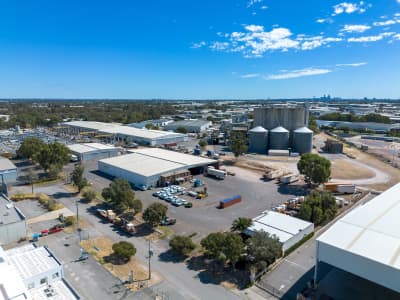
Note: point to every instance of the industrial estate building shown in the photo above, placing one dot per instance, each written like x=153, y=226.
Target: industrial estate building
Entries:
x=8, y=171
x=195, y=126
x=365, y=242
x=12, y=222
x=115, y=132
x=92, y=151
x=281, y=127
x=289, y=230
x=154, y=123
x=151, y=167
x=31, y=273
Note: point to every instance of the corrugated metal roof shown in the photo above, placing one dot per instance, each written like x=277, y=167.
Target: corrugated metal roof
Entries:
x=181, y=158
x=370, y=230
x=142, y=164
x=279, y=129
x=6, y=164
x=142, y=133
x=258, y=129
x=303, y=130
x=89, y=147
x=281, y=225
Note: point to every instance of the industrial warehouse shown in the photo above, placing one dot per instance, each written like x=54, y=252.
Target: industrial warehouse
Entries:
x=91, y=151
x=113, y=132
x=8, y=171
x=194, y=126
x=152, y=167
x=282, y=128
x=365, y=242
x=289, y=230
x=12, y=222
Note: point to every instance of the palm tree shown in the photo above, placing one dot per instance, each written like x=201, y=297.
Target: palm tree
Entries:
x=241, y=224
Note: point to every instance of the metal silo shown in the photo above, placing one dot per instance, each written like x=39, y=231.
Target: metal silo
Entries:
x=279, y=138
x=302, y=140
x=258, y=137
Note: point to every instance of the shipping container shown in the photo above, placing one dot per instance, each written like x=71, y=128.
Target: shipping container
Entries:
x=230, y=201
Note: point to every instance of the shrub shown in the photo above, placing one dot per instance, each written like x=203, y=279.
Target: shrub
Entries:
x=89, y=193
x=182, y=244
x=124, y=250
x=71, y=220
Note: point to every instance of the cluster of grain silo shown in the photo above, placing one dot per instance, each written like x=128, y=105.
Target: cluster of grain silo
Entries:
x=280, y=127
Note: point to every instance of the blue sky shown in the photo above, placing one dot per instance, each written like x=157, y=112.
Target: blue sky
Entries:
x=225, y=49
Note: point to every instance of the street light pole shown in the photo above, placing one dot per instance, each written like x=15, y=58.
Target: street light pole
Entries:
x=77, y=221
x=150, y=255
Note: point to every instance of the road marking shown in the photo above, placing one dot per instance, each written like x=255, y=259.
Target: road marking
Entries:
x=76, y=278
x=72, y=274
x=281, y=287
x=296, y=264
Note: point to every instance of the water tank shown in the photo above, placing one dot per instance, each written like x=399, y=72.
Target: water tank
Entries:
x=258, y=137
x=302, y=140
x=279, y=138
x=290, y=117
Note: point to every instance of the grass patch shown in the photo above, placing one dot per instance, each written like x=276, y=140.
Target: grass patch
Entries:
x=299, y=243
x=165, y=232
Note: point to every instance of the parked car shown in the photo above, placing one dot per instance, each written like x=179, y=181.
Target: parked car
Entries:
x=167, y=221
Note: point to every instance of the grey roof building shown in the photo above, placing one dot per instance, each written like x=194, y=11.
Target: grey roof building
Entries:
x=12, y=222
x=190, y=125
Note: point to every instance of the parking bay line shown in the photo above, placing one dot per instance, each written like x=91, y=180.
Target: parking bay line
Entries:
x=296, y=264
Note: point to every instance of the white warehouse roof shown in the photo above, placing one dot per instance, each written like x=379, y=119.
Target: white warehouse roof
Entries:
x=142, y=133
x=89, y=147
x=283, y=226
x=177, y=157
x=90, y=124
x=142, y=164
x=6, y=164
x=370, y=235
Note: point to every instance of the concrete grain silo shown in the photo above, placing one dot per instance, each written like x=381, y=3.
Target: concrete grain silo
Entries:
x=258, y=137
x=290, y=117
x=302, y=140
x=279, y=138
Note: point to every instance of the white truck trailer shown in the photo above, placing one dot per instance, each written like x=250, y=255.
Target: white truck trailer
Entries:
x=220, y=174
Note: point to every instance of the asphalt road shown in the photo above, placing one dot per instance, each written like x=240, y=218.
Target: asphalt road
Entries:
x=183, y=282
x=293, y=273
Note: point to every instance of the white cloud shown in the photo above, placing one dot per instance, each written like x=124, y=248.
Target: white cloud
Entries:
x=349, y=8
x=297, y=73
x=371, y=38
x=219, y=46
x=309, y=43
x=252, y=75
x=396, y=36
x=250, y=3
x=385, y=23
x=321, y=20
x=198, y=45
x=264, y=7
x=355, y=28
x=352, y=64
x=397, y=14
x=254, y=28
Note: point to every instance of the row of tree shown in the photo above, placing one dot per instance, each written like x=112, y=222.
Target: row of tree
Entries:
x=336, y=116
x=259, y=250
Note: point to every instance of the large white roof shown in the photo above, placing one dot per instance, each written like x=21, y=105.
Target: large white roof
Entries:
x=142, y=133
x=177, y=157
x=370, y=230
x=142, y=164
x=6, y=164
x=281, y=225
x=90, y=124
x=89, y=147
x=30, y=261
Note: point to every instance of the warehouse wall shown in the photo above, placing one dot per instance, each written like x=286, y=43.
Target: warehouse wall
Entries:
x=12, y=232
x=359, y=265
x=135, y=179
x=9, y=175
x=297, y=238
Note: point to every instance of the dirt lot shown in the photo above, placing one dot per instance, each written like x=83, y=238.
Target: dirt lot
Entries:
x=101, y=248
x=388, y=175
x=345, y=169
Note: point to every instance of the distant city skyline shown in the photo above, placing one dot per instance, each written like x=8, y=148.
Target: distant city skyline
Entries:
x=228, y=49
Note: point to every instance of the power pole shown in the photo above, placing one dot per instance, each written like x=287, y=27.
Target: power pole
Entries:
x=77, y=221
x=150, y=255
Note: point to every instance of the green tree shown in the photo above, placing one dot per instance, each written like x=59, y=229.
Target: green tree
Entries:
x=318, y=207
x=77, y=177
x=124, y=250
x=53, y=155
x=182, y=244
x=119, y=194
x=203, y=143
x=89, y=193
x=238, y=143
x=154, y=214
x=262, y=247
x=223, y=246
x=241, y=224
x=30, y=147
x=181, y=129
x=137, y=205
x=316, y=169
